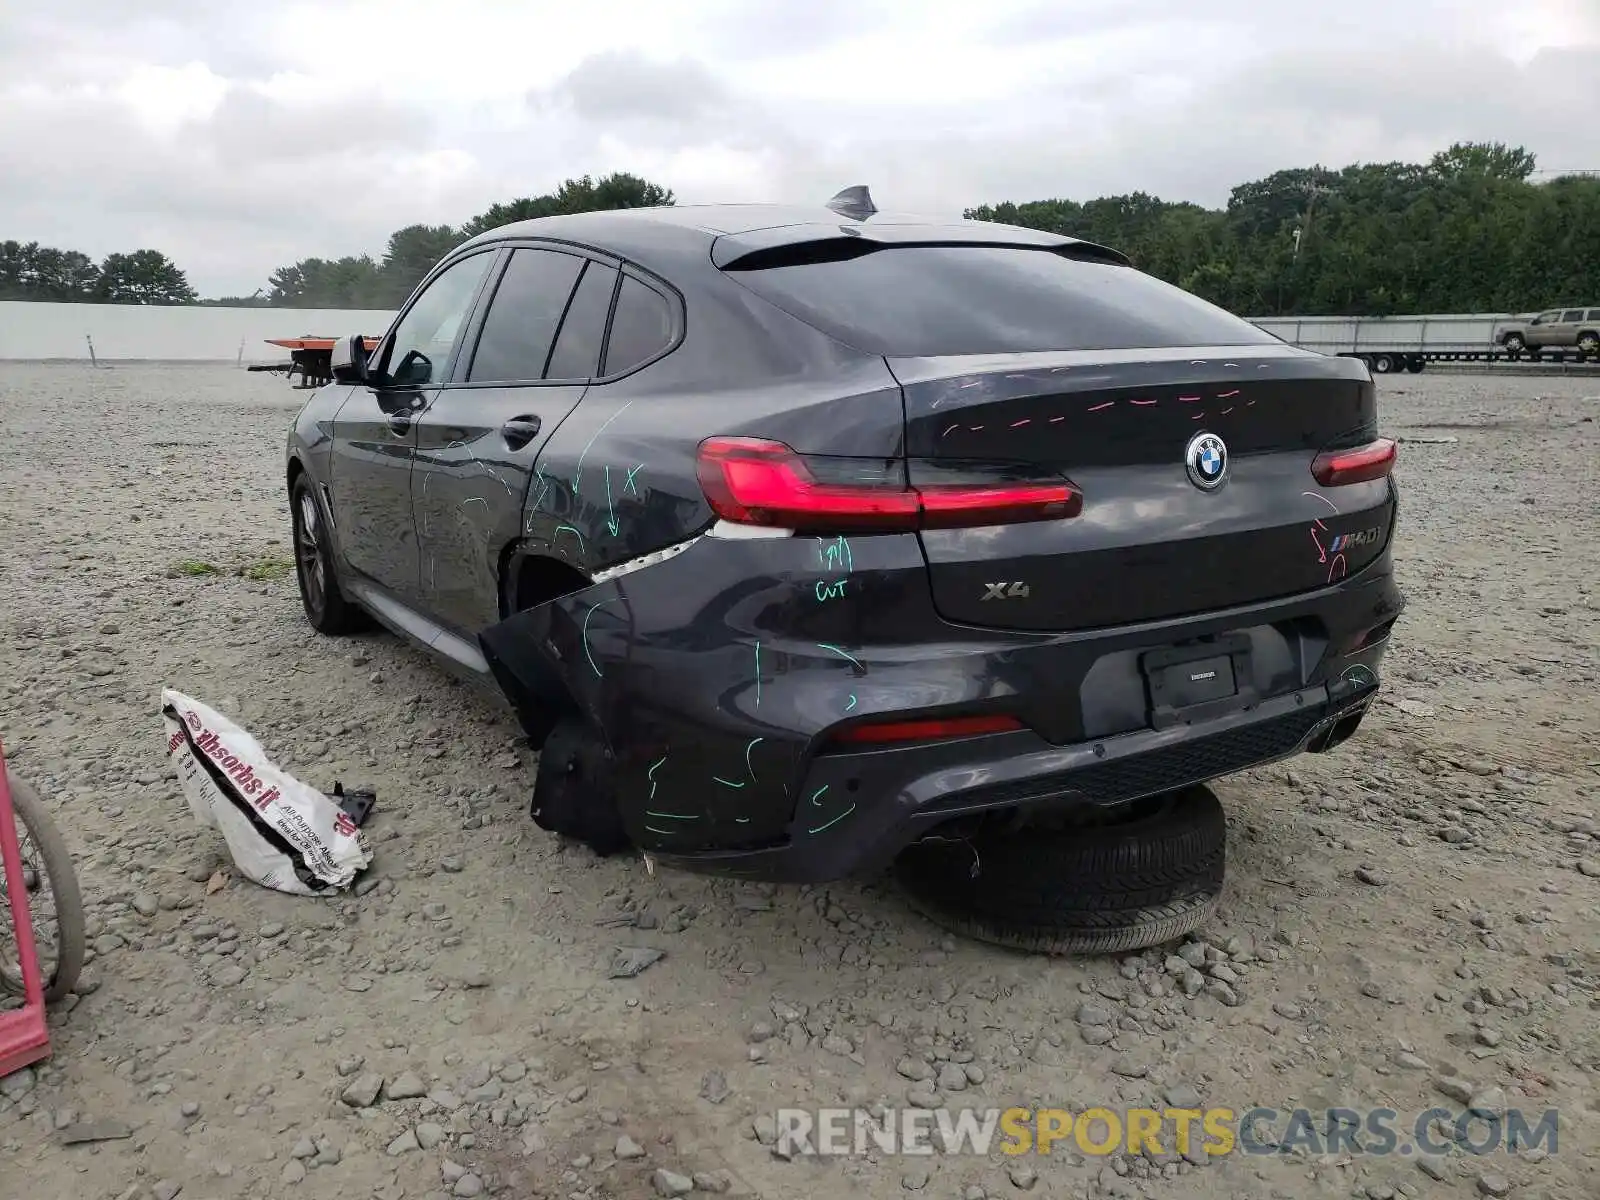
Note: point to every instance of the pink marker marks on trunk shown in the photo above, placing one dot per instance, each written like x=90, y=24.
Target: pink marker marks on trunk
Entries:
x=949, y=431
x=1338, y=569
x=1021, y=423
x=1098, y=407
x=1142, y=403
x=1225, y=395
x=1187, y=399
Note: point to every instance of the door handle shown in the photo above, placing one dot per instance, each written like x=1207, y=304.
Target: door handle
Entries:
x=519, y=431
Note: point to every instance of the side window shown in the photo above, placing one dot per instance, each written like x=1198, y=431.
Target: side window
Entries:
x=583, y=329
x=641, y=327
x=523, y=315
x=1549, y=318
x=1572, y=316
x=420, y=349
x=1594, y=314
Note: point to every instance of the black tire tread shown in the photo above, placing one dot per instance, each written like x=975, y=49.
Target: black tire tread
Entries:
x=340, y=615
x=1078, y=891
x=72, y=937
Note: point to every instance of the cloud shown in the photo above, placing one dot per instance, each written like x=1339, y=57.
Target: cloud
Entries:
x=624, y=85
x=239, y=137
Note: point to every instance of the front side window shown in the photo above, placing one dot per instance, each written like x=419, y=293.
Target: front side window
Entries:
x=523, y=316
x=419, y=352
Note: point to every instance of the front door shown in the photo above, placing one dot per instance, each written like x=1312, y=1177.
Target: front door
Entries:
x=533, y=353
x=374, y=432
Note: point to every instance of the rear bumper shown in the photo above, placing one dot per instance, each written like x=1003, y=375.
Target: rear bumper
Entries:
x=871, y=806
x=719, y=675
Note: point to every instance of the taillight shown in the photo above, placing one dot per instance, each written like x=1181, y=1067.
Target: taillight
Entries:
x=752, y=481
x=1333, y=468
x=927, y=730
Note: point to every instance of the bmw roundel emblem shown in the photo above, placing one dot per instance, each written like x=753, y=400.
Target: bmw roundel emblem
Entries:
x=1207, y=461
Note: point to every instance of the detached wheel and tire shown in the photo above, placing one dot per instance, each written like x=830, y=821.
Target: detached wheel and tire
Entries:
x=1151, y=872
x=55, y=904
x=327, y=609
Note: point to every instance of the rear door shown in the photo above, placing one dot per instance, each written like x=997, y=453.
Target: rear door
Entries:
x=529, y=360
x=1567, y=331
x=1189, y=433
x=374, y=432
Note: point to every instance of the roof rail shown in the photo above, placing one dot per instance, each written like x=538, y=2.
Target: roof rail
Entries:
x=854, y=202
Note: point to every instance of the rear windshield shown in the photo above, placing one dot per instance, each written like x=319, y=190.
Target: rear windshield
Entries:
x=932, y=300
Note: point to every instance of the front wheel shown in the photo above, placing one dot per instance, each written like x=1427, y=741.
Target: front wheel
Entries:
x=54, y=902
x=1514, y=343
x=326, y=606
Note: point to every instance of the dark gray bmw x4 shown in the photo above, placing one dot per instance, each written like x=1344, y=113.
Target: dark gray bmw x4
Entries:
x=796, y=536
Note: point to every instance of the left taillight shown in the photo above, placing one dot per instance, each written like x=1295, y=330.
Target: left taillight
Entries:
x=1359, y=464
x=754, y=481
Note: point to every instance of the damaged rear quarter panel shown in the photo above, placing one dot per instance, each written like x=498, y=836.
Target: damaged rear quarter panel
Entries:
x=710, y=674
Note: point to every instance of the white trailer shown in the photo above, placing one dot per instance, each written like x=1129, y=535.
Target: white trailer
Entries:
x=1390, y=344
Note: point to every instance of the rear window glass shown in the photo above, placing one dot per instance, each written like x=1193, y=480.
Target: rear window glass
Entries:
x=641, y=326
x=931, y=300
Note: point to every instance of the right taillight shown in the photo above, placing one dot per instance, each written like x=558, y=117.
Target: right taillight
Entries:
x=1359, y=464
x=753, y=481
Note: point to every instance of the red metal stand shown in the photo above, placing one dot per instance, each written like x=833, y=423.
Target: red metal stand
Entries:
x=24, y=1038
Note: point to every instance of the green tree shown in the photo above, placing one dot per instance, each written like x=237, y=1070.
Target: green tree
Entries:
x=618, y=190
x=411, y=254
x=143, y=277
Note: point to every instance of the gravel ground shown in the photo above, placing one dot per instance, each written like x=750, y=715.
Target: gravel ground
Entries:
x=1410, y=922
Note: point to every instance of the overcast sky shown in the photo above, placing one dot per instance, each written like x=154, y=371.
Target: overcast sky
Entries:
x=240, y=135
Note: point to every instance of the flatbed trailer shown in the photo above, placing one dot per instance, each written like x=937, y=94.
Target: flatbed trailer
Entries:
x=1395, y=344
x=310, y=356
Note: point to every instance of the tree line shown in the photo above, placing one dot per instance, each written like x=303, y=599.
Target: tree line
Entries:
x=29, y=271
x=1468, y=231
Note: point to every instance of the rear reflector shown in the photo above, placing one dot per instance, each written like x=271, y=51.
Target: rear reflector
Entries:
x=752, y=481
x=927, y=730
x=1333, y=468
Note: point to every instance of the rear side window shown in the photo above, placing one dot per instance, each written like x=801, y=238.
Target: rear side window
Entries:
x=523, y=316
x=641, y=327
x=583, y=329
x=1594, y=314
x=1572, y=316
x=931, y=300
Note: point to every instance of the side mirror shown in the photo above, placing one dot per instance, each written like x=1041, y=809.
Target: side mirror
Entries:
x=349, y=359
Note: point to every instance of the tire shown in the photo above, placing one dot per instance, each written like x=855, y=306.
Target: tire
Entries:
x=65, y=964
x=1417, y=364
x=1151, y=877
x=1514, y=343
x=572, y=795
x=1589, y=344
x=1382, y=364
x=327, y=608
